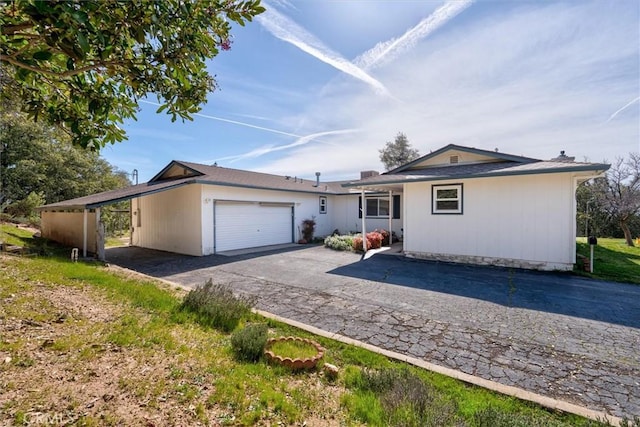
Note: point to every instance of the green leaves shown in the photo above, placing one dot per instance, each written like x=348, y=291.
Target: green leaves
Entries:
x=42, y=55
x=84, y=65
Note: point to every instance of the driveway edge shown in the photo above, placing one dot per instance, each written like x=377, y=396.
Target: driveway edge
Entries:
x=516, y=392
x=519, y=393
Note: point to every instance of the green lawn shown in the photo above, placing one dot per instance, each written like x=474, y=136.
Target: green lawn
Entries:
x=612, y=260
x=97, y=347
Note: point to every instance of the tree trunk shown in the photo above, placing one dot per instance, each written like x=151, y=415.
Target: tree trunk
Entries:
x=627, y=232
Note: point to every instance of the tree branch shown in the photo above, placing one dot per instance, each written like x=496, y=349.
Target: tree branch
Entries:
x=12, y=29
x=63, y=75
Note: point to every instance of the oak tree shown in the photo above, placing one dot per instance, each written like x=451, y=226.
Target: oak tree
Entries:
x=618, y=194
x=84, y=65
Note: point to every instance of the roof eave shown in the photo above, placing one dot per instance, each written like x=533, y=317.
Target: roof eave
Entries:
x=598, y=170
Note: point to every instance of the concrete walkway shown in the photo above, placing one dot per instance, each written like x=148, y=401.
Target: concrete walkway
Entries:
x=557, y=335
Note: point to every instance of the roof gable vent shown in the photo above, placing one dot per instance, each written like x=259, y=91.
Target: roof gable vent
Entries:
x=453, y=160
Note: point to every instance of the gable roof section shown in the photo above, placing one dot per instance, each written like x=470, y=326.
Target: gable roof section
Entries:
x=504, y=165
x=178, y=173
x=494, y=155
x=175, y=170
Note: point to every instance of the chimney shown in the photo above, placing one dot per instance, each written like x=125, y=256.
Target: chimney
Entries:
x=368, y=174
x=563, y=158
x=317, y=179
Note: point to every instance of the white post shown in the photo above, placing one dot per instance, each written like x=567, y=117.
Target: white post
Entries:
x=364, y=225
x=85, y=218
x=591, y=262
x=390, y=215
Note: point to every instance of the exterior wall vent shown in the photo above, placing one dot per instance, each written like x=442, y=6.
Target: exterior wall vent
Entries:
x=453, y=160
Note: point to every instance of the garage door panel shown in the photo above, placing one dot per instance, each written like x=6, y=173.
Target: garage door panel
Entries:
x=247, y=225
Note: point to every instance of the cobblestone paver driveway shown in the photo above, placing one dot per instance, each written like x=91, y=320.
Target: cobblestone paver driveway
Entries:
x=557, y=335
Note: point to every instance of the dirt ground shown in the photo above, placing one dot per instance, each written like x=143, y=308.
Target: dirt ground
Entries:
x=56, y=370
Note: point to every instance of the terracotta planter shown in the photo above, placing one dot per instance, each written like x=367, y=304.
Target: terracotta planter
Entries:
x=297, y=363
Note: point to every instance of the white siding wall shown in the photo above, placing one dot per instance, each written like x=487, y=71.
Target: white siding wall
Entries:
x=169, y=220
x=306, y=206
x=345, y=216
x=67, y=228
x=525, y=218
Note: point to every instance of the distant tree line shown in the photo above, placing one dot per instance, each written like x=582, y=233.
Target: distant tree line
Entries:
x=610, y=206
x=40, y=165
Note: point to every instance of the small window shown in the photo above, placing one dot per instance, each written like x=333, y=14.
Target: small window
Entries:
x=447, y=199
x=323, y=204
x=377, y=207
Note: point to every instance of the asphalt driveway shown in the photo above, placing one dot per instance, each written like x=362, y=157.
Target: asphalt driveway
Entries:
x=558, y=335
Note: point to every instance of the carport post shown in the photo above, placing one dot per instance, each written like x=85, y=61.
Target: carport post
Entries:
x=99, y=236
x=390, y=214
x=84, y=232
x=364, y=225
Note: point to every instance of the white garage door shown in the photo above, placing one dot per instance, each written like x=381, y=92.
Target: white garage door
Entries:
x=248, y=225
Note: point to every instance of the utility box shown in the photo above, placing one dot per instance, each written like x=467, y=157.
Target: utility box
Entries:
x=593, y=240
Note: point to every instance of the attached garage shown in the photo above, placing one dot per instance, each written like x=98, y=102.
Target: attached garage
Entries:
x=239, y=225
x=198, y=210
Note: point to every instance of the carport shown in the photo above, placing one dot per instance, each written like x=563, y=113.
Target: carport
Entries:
x=77, y=222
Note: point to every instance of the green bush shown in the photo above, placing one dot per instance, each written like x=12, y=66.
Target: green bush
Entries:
x=406, y=399
x=248, y=343
x=339, y=243
x=491, y=417
x=217, y=306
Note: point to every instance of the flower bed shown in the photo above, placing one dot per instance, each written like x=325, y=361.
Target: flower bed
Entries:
x=293, y=352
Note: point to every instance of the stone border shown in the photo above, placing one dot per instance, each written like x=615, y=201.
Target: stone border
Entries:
x=517, y=392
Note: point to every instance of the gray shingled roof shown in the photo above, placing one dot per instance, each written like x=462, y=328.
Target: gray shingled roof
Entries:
x=477, y=170
x=209, y=175
x=236, y=177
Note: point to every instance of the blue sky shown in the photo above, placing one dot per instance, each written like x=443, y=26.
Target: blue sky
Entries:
x=321, y=85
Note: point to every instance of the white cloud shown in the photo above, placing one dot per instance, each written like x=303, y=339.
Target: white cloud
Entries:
x=384, y=52
x=627, y=105
x=285, y=29
x=299, y=142
x=235, y=122
x=533, y=79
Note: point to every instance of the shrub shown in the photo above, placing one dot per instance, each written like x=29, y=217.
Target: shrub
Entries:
x=492, y=417
x=308, y=228
x=374, y=241
x=25, y=208
x=248, y=343
x=385, y=236
x=357, y=243
x=217, y=306
x=340, y=243
x=406, y=399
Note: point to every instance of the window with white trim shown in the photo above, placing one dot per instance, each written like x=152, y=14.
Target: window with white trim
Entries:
x=323, y=204
x=378, y=207
x=446, y=199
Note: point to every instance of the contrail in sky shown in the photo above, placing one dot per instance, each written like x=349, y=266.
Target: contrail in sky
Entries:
x=270, y=149
x=384, y=52
x=622, y=109
x=287, y=30
x=235, y=122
